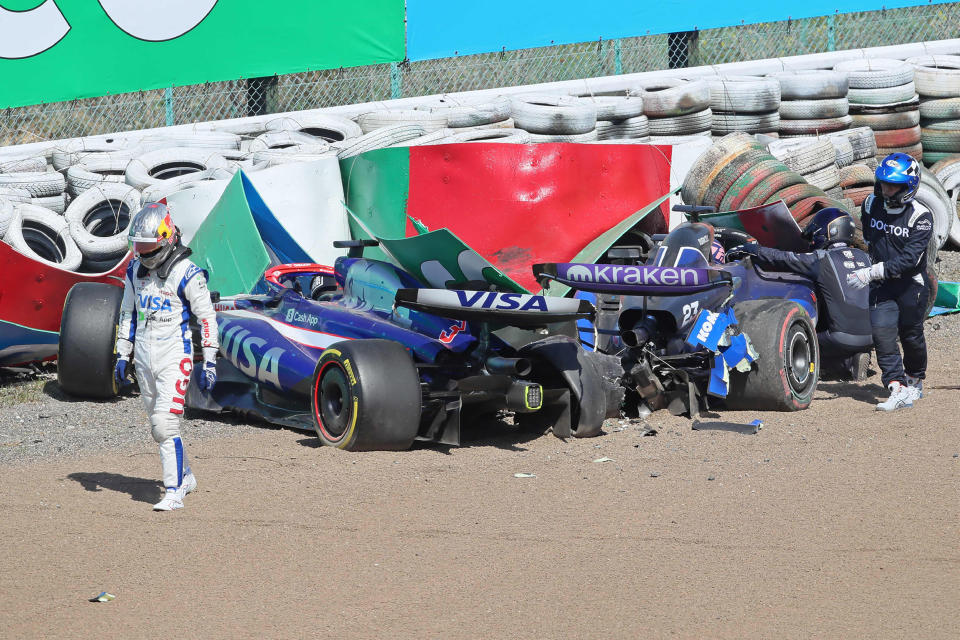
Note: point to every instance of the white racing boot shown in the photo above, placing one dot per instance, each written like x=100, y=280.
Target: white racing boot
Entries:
x=901, y=397
x=172, y=499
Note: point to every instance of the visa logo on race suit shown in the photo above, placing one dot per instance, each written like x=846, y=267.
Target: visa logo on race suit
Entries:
x=154, y=303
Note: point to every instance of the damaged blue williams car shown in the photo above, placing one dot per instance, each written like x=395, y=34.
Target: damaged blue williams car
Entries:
x=692, y=333
x=369, y=358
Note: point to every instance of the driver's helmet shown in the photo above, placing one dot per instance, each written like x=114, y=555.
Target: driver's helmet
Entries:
x=152, y=234
x=901, y=170
x=828, y=226
x=689, y=245
x=717, y=253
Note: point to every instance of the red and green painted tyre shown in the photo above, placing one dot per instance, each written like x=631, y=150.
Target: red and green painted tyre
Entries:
x=728, y=173
x=857, y=194
x=753, y=176
x=766, y=188
x=795, y=193
x=899, y=137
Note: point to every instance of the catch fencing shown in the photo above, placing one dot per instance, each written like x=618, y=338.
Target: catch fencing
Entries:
x=318, y=89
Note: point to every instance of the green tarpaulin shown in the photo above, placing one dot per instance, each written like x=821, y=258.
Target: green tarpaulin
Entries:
x=228, y=245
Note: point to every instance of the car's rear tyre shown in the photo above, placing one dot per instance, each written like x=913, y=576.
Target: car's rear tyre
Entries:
x=88, y=335
x=366, y=396
x=785, y=375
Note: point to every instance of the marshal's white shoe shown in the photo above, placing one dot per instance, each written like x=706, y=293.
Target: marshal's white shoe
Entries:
x=916, y=388
x=901, y=397
x=172, y=499
x=189, y=484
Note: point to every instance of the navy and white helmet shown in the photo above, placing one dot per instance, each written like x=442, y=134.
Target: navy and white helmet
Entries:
x=899, y=169
x=828, y=226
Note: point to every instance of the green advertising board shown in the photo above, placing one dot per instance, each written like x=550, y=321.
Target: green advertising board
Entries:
x=57, y=50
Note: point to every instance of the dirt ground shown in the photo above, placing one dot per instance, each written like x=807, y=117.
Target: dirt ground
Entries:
x=832, y=522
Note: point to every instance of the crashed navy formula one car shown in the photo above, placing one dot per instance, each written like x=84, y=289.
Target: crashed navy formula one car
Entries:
x=370, y=358
x=691, y=332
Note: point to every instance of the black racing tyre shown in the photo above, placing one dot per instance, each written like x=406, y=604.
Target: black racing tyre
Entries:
x=785, y=375
x=366, y=396
x=88, y=336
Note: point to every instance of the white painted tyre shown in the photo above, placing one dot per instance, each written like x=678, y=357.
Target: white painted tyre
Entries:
x=7, y=213
x=195, y=139
x=811, y=84
x=844, y=151
x=29, y=164
x=812, y=109
x=673, y=97
x=825, y=178
x=697, y=122
x=937, y=76
x=514, y=136
x=162, y=164
x=616, y=108
x=14, y=195
x=813, y=127
x=553, y=114
x=97, y=168
x=743, y=94
x=391, y=118
x=72, y=151
x=460, y=112
x=38, y=183
x=44, y=236
x=56, y=204
x=329, y=128
x=862, y=139
x=377, y=139
x=883, y=95
x=804, y=155
x=98, y=219
x=283, y=139
x=589, y=136
x=876, y=73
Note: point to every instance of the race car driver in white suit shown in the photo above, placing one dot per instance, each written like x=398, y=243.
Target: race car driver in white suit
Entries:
x=162, y=290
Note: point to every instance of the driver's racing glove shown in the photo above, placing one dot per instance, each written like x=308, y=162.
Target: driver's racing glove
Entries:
x=208, y=375
x=120, y=371
x=860, y=278
x=749, y=249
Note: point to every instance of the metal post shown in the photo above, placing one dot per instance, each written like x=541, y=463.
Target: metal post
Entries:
x=168, y=105
x=832, y=32
x=396, y=81
x=617, y=58
x=602, y=60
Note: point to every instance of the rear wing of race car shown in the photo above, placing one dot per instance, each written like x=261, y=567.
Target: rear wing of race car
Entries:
x=513, y=309
x=632, y=280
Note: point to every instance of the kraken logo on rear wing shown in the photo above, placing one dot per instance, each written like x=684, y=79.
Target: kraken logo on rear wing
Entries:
x=632, y=279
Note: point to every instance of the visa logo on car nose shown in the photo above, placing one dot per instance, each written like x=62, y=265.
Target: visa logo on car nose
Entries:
x=154, y=303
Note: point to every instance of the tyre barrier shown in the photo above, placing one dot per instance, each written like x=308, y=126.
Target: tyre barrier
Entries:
x=461, y=112
x=44, y=236
x=671, y=98
x=374, y=120
x=553, y=114
x=286, y=139
x=328, y=128
x=156, y=166
x=98, y=220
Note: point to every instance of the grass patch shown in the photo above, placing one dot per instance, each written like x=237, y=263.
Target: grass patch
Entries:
x=16, y=392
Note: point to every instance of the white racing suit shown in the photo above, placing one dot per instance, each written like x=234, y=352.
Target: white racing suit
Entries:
x=154, y=317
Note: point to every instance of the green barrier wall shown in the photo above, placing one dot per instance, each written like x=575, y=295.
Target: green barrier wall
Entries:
x=50, y=52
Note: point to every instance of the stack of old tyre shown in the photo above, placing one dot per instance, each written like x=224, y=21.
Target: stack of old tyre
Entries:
x=739, y=172
x=937, y=79
x=812, y=102
x=883, y=97
x=947, y=172
x=744, y=103
x=620, y=118
x=676, y=108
